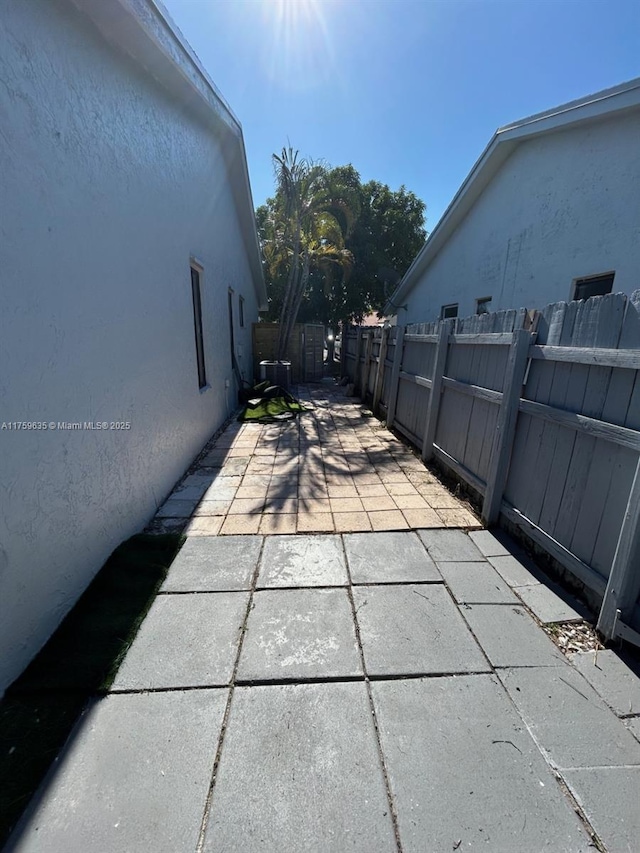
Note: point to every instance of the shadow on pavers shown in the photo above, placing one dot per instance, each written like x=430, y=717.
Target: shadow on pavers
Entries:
x=79, y=661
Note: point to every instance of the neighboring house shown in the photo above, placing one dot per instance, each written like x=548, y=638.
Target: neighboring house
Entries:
x=372, y=321
x=550, y=212
x=129, y=267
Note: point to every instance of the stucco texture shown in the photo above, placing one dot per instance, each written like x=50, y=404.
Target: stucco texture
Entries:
x=564, y=205
x=108, y=187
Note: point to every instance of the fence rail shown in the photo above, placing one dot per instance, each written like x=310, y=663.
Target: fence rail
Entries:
x=539, y=412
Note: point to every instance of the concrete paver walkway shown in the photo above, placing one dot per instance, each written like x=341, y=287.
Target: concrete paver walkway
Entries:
x=335, y=468
x=345, y=689
x=281, y=702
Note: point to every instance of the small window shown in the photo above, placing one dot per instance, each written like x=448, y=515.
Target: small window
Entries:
x=483, y=305
x=593, y=285
x=197, y=322
x=241, y=311
x=448, y=311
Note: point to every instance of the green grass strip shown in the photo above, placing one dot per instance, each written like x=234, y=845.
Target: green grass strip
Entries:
x=80, y=660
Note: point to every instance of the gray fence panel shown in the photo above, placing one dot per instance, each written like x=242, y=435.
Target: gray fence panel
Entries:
x=491, y=374
x=453, y=422
x=411, y=408
x=621, y=468
x=569, y=482
x=371, y=377
x=418, y=358
x=386, y=379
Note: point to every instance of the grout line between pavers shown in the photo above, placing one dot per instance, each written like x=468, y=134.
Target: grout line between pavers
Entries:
x=374, y=716
x=175, y=688
x=225, y=719
x=421, y=582
x=598, y=767
x=281, y=682
x=555, y=772
x=596, y=841
x=170, y=592
x=350, y=679
x=301, y=587
x=413, y=676
x=469, y=628
x=499, y=667
x=345, y=585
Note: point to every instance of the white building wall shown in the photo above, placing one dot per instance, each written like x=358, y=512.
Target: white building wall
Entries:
x=562, y=206
x=107, y=188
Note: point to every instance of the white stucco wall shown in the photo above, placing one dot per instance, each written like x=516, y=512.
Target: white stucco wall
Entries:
x=562, y=206
x=107, y=187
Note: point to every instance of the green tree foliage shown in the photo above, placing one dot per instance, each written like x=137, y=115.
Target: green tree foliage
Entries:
x=387, y=237
x=303, y=232
x=334, y=248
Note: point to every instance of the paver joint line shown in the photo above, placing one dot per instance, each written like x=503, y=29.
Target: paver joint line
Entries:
x=131, y=691
x=412, y=676
x=279, y=682
x=227, y=710
x=387, y=783
x=596, y=841
x=589, y=828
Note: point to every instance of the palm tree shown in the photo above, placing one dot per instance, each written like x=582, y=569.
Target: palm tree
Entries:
x=306, y=233
x=290, y=172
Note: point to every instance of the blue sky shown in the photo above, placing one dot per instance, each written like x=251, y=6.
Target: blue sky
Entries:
x=409, y=91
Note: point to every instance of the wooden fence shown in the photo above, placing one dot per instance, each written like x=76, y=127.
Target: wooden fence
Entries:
x=538, y=412
x=306, y=349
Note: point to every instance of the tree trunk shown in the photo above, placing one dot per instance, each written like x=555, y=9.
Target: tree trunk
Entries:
x=302, y=286
x=283, y=338
x=296, y=299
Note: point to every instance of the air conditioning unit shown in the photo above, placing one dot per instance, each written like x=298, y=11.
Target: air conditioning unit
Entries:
x=276, y=372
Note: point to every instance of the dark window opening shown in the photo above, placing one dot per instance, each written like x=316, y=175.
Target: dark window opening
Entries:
x=483, y=306
x=594, y=285
x=449, y=311
x=197, y=322
x=231, y=330
x=241, y=312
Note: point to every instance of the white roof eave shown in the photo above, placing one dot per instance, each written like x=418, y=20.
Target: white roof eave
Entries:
x=144, y=30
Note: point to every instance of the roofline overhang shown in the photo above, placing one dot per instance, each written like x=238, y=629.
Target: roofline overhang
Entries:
x=144, y=30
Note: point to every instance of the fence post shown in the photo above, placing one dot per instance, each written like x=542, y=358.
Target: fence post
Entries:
x=382, y=355
x=442, y=348
x=395, y=377
x=505, y=426
x=356, y=369
x=344, y=345
x=364, y=380
x=624, y=583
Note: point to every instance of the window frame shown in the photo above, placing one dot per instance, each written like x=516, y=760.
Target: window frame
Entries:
x=443, y=308
x=197, y=274
x=483, y=300
x=585, y=279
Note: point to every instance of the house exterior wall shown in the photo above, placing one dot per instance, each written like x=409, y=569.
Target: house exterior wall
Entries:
x=107, y=189
x=564, y=205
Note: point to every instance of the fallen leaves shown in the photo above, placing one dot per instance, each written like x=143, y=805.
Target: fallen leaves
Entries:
x=573, y=637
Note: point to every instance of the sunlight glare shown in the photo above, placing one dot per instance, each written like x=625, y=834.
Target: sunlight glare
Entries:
x=298, y=51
